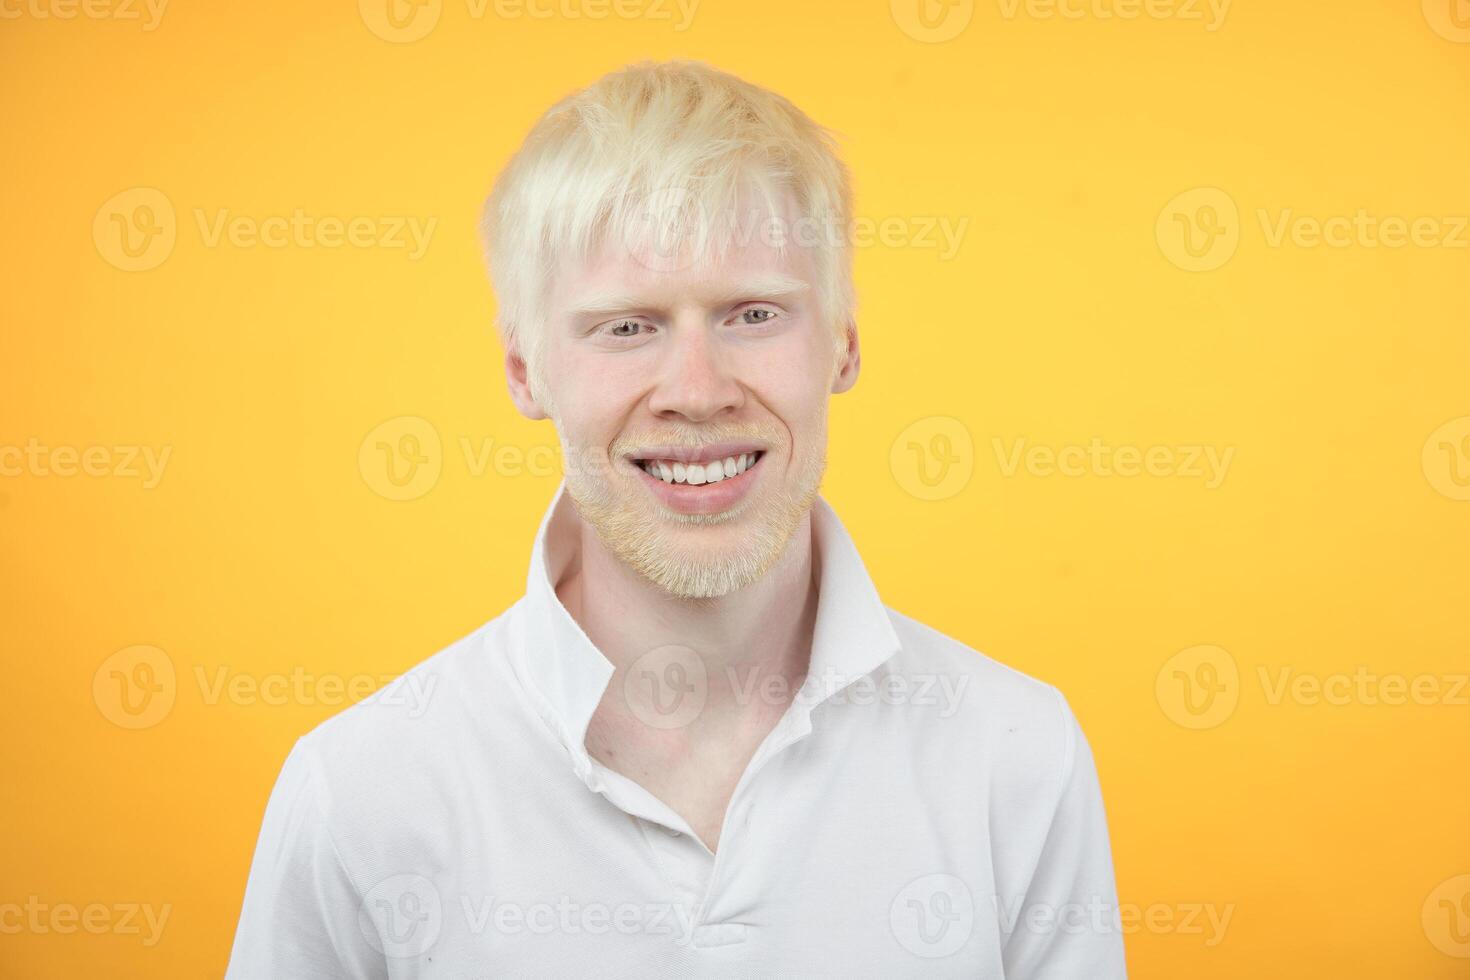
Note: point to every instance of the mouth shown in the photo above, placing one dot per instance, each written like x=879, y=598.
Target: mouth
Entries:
x=698, y=473
x=704, y=481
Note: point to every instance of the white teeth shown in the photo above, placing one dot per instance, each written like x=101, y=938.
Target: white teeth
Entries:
x=697, y=474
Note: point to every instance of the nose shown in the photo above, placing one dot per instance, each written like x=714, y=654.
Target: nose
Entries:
x=694, y=382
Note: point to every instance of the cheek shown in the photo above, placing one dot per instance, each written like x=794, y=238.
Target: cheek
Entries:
x=593, y=397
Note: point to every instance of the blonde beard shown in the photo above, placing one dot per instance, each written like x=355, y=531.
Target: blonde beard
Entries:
x=643, y=541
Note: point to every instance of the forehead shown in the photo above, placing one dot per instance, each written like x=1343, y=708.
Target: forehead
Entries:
x=679, y=252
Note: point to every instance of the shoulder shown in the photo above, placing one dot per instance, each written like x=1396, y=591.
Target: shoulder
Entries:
x=409, y=740
x=925, y=650
x=1011, y=722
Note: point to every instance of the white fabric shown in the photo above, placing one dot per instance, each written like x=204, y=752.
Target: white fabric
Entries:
x=919, y=811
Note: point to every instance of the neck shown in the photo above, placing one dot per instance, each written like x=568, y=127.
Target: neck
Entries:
x=745, y=639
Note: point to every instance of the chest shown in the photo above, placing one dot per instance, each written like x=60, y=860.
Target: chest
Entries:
x=694, y=773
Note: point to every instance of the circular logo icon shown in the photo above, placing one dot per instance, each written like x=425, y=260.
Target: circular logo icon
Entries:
x=932, y=21
x=402, y=458
x=1450, y=19
x=135, y=687
x=135, y=230
x=1446, y=458
x=400, y=21
x=1199, y=229
x=667, y=687
x=401, y=916
x=669, y=230
x=1446, y=917
x=934, y=458
x=933, y=916
x=1198, y=687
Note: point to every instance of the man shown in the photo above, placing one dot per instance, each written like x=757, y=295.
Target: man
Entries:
x=699, y=745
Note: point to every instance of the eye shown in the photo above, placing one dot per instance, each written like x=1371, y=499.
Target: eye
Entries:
x=757, y=315
x=624, y=329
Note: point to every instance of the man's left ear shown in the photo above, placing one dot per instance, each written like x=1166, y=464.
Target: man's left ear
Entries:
x=847, y=369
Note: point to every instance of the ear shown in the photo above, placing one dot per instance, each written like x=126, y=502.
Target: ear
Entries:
x=846, y=374
x=517, y=379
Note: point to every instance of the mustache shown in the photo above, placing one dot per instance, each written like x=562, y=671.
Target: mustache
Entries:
x=695, y=435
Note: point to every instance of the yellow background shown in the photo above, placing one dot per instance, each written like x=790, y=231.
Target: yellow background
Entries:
x=1334, y=542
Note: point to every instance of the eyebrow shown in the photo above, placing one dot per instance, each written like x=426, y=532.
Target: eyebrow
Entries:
x=764, y=287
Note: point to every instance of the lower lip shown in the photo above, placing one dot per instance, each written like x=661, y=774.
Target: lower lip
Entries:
x=706, y=498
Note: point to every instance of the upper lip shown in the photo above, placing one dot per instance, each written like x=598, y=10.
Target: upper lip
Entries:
x=696, y=454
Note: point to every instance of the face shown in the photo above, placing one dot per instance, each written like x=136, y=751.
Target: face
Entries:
x=690, y=398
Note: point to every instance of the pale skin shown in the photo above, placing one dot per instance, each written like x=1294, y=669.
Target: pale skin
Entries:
x=632, y=350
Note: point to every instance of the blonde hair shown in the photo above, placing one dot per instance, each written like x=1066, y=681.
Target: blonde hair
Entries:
x=677, y=131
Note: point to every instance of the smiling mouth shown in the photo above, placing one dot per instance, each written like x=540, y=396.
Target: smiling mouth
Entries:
x=678, y=473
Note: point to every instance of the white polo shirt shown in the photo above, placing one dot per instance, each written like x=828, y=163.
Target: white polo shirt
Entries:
x=919, y=811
